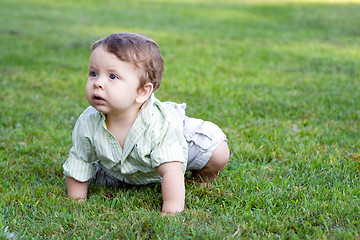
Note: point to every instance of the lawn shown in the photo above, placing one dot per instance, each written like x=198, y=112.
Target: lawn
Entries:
x=281, y=78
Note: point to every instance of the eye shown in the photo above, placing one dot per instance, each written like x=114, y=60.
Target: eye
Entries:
x=93, y=74
x=113, y=76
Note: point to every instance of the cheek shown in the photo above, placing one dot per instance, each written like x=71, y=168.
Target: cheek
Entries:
x=89, y=84
x=87, y=89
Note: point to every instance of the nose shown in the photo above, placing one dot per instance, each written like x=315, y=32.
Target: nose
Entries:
x=99, y=83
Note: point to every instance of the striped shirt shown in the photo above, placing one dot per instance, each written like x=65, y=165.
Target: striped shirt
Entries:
x=156, y=137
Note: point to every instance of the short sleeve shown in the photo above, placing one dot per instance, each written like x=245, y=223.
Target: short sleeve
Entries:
x=79, y=164
x=171, y=147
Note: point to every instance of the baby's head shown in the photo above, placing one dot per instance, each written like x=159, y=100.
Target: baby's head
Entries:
x=138, y=49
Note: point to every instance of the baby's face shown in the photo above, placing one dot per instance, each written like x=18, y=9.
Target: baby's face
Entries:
x=112, y=86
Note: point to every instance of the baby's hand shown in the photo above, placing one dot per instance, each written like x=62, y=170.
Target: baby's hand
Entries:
x=169, y=214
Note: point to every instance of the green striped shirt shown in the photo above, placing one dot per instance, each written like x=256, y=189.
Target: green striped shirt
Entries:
x=156, y=137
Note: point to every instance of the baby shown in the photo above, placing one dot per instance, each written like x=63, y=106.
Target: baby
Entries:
x=128, y=135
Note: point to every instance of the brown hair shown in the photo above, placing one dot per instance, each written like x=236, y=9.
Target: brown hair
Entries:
x=138, y=49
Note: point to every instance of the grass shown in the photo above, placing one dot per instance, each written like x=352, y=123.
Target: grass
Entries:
x=281, y=78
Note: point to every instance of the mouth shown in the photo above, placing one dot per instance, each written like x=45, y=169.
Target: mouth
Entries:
x=98, y=99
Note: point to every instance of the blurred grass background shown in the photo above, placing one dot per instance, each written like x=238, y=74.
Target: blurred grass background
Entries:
x=281, y=78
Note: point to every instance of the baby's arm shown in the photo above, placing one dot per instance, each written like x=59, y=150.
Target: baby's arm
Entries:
x=76, y=190
x=172, y=187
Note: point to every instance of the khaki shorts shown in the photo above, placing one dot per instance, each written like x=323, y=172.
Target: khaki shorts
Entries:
x=202, y=137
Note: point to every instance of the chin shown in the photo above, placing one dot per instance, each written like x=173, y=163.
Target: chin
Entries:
x=99, y=108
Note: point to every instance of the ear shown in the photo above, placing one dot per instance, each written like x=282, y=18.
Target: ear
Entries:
x=144, y=93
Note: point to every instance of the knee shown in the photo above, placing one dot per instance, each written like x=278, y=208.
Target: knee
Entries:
x=219, y=158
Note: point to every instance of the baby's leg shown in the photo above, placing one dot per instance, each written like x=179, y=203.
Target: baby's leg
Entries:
x=208, y=149
x=214, y=166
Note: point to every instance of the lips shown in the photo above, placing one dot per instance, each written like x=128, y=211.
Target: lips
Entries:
x=98, y=99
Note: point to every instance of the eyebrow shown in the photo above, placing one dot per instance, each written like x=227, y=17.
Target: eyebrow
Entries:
x=93, y=66
x=112, y=70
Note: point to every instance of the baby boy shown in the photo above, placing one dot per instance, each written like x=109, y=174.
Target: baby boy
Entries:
x=128, y=135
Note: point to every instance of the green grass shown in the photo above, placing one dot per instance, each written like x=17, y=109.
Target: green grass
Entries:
x=281, y=78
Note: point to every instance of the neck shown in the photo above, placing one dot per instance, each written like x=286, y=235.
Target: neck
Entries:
x=120, y=126
x=122, y=120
